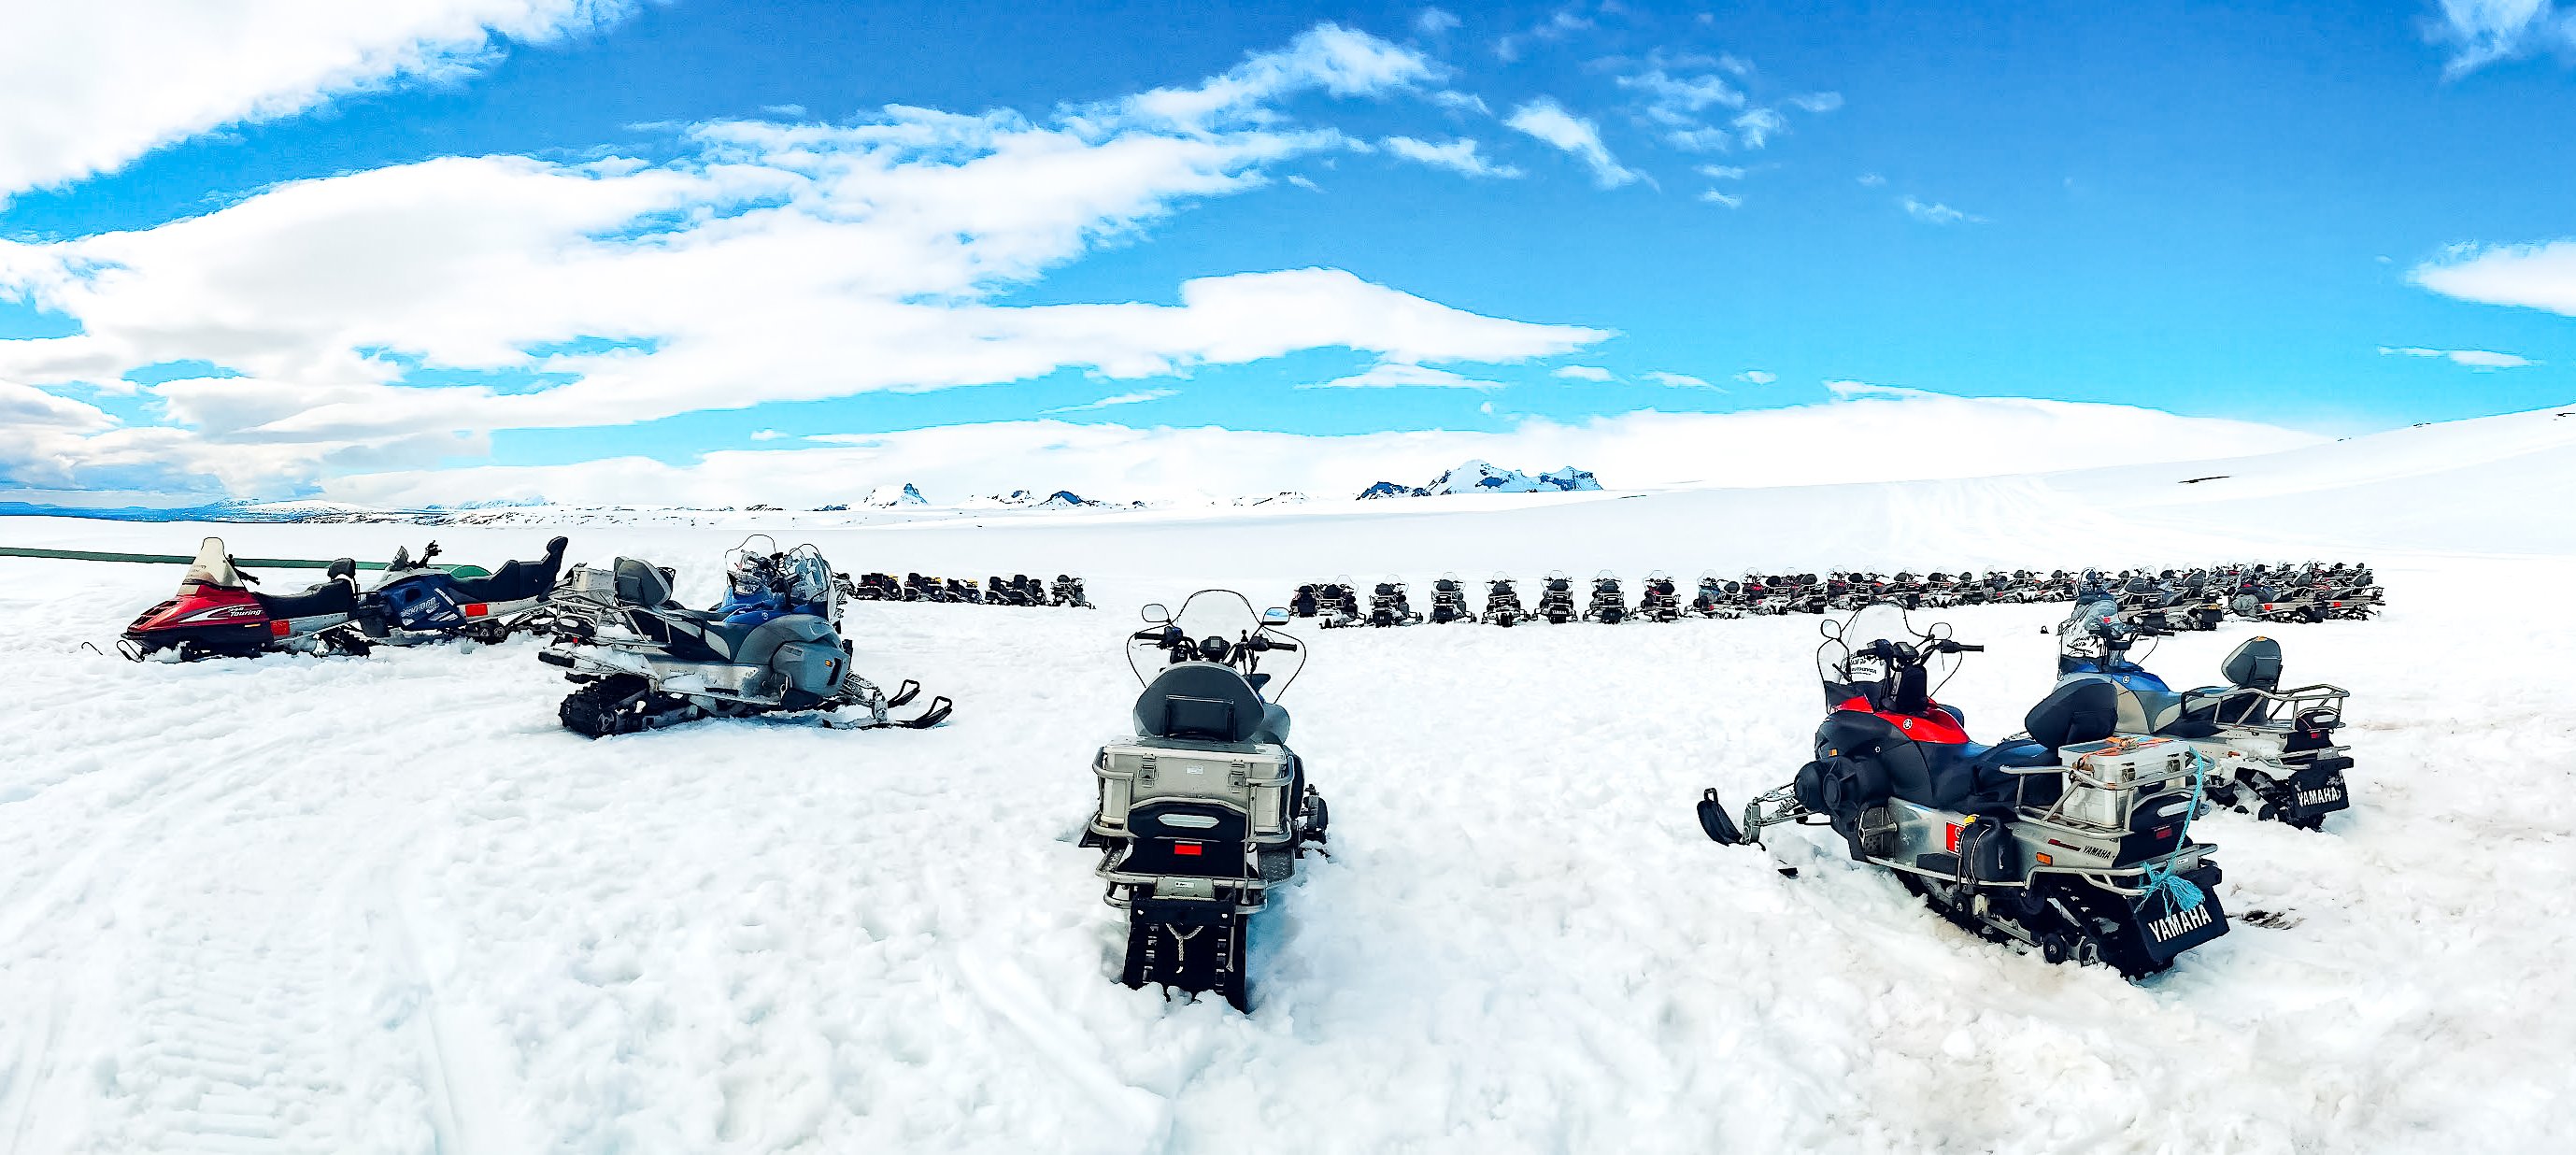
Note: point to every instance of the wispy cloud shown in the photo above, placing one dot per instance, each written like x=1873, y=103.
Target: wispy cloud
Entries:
x=1756, y=126
x=1871, y=180
x=1136, y=398
x=2541, y=276
x=1582, y=373
x=1402, y=374
x=1458, y=156
x=1549, y=122
x=1434, y=21
x=1849, y=389
x=766, y=434
x=1934, y=213
x=2482, y=32
x=1729, y=200
x=2473, y=358
x=1756, y=377
x=1721, y=172
x=1560, y=24
x=1679, y=380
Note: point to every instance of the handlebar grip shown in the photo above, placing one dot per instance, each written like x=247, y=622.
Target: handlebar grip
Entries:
x=1965, y=648
x=1145, y=636
x=1276, y=644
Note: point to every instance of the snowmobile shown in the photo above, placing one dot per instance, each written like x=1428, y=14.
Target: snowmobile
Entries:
x=1391, y=605
x=1067, y=591
x=1503, y=601
x=1609, y=604
x=1717, y=597
x=1206, y=808
x=1338, y=602
x=1556, y=599
x=870, y=587
x=1449, y=601
x=1305, y=602
x=2273, y=752
x=773, y=645
x=217, y=615
x=2256, y=599
x=2066, y=840
x=1658, y=602
x=418, y=602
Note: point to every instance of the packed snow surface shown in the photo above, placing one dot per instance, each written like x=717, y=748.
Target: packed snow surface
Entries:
x=388, y=905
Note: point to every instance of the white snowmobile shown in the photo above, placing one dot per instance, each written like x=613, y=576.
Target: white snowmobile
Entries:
x=2273, y=752
x=643, y=661
x=2066, y=840
x=1609, y=603
x=1390, y=604
x=1503, y=601
x=1449, y=601
x=1556, y=599
x=1206, y=808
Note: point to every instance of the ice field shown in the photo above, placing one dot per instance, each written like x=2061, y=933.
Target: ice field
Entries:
x=388, y=905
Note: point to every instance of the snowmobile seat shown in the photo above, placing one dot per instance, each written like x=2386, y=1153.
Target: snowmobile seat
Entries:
x=331, y=597
x=1208, y=702
x=515, y=581
x=640, y=584
x=1980, y=778
x=2255, y=665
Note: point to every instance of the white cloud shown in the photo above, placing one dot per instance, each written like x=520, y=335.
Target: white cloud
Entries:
x=1700, y=140
x=1461, y=102
x=1458, y=156
x=1136, y=398
x=1550, y=123
x=1402, y=374
x=1871, y=180
x=1582, y=373
x=1853, y=389
x=2541, y=276
x=1818, y=101
x=1433, y=21
x=1936, y=214
x=1340, y=61
x=1676, y=101
x=760, y=262
x=1756, y=377
x=2473, y=358
x=1756, y=126
x=1679, y=380
x=1730, y=200
x=86, y=88
x=1721, y=172
x=1878, y=437
x=2481, y=32
x=767, y=434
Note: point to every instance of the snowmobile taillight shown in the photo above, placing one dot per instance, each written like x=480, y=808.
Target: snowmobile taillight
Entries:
x=1187, y=849
x=476, y=609
x=279, y=628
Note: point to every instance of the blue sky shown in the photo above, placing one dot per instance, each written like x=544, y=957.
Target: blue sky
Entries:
x=2213, y=212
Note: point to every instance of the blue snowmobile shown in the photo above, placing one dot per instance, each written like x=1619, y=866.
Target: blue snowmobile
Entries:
x=417, y=601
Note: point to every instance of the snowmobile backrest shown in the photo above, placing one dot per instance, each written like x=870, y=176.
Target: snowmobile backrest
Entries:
x=1898, y=760
x=1201, y=700
x=2255, y=665
x=2081, y=709
x=638, y=583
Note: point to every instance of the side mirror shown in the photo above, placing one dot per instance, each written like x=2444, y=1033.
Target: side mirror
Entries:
x=1154, y=612
x=1274, y=616
x=1831, y=629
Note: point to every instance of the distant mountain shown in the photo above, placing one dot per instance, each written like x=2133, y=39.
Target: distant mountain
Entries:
x=1284, y=497
x=888, y=496
x=1483, y=477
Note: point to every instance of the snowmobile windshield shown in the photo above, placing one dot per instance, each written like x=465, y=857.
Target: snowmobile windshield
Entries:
x=213, y=566
x=1228, y=617
x=1852, y=662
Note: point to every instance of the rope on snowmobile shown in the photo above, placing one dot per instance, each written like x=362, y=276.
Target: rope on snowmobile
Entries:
x=2161, y=879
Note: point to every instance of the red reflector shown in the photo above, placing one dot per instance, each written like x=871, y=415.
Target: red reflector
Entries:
x=1189, y=848
x=476, y=609
x=2164, y=832
x=277, y=629
x=1952, y=838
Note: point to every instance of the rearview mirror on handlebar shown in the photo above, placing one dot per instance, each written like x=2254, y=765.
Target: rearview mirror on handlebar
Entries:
x=1154, y=612
x=1274, y=616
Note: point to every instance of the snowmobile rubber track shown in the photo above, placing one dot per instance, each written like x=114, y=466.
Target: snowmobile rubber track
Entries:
x=1187, y=946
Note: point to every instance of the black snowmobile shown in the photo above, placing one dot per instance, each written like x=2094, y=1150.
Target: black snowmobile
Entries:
x=1338, y=602
x=1658, y=601
x=1067, y=591
x=2065, y=840
x=1502, y=601
x=1449, y=601
x=1609, y=603
x=1206, y=808
x=1391, y=605
x=1556, y=599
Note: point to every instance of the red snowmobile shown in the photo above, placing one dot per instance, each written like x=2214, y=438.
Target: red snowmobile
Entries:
x=217, y=615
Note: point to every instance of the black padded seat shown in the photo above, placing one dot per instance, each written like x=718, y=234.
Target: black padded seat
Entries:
x=516, y=581
x=2083, y=709
x=639, y=584
x=1209, y=702
x=331, y=597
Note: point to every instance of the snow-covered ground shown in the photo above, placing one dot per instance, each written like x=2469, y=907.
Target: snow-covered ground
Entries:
x=386, y=904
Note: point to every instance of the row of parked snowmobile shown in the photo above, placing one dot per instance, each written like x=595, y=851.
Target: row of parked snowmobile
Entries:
x=640, y=659
x=2073, y=840
x=1017, y=590
x=2196, y=599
